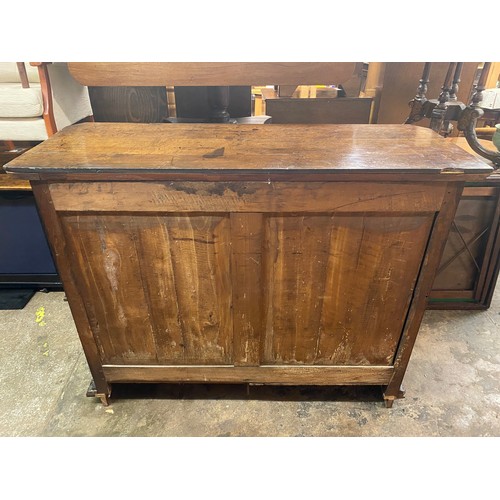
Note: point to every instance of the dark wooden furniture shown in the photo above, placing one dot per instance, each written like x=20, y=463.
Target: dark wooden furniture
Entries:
x=401, y=79
x=468, y=272
x=279, y=254
x=316, y=110
x=131, y=104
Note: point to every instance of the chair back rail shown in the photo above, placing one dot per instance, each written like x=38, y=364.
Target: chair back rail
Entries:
x=211, y=73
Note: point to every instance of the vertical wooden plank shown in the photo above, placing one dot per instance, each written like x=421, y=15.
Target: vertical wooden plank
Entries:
x=432, y=257
x=159, y=282
x=246, y=272
x=90, y=344
x=200, y=254
x=297, y=250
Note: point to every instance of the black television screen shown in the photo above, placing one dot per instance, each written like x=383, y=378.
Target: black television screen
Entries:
x=25, y=257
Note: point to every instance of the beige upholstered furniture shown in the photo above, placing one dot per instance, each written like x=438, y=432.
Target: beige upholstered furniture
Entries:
x=48, y=100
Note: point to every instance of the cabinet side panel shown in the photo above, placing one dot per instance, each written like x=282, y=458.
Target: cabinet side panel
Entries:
x=339, y=287
x=157, y=288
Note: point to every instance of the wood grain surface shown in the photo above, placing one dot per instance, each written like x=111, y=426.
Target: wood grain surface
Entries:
x=286, y=282
x=117, y=147
x=211, y=73
x=345, y=197
x=282, y=375
x=129, y=104
x=187, y=286
x=157, y=290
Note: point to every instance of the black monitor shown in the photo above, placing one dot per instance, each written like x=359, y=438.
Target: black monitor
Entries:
x=25, y=257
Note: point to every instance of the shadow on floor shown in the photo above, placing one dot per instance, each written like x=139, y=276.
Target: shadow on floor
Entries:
x=246, y=392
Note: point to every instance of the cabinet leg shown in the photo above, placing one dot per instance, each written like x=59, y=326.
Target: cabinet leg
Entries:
x=103, y=395
x=389, y=398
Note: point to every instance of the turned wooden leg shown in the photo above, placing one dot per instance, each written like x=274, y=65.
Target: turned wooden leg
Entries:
x=389, y=397
x=103, y=395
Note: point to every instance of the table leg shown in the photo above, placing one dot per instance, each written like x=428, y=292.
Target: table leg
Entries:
x=92, y=392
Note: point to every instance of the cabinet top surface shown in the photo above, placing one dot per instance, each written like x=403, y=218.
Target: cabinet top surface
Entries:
x=124, y=147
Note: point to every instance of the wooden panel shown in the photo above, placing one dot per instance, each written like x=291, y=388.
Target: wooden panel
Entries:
x=248, y=285
x=283, y=375
x=162, y=288
x=200, y=148
x=324, y=278
x=246, y=197
x=210, y=73
x=129, y=104
x=320, y=110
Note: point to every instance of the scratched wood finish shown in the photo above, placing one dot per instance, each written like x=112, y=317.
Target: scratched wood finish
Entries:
x=165, y=286
x=202, y=148
x=261, y=280
x=331, y=273
x=157, y=290
x=246, y=197
x=210, y=73
x=282, y=375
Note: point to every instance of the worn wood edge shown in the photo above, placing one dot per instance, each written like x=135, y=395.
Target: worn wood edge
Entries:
x=247, y=175
x=56, y=240
x=249, y=197
x=131, y=169
x=281, y=375
x=432, y=257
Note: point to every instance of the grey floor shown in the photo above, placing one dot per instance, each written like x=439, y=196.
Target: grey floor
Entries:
x=452, y=388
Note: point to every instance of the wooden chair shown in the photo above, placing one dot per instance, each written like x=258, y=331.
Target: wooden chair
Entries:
x=37, y=100
x=211, y=75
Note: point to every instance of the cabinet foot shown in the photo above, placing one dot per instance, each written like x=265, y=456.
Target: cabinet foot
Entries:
x=389, y=398
x=103, y=396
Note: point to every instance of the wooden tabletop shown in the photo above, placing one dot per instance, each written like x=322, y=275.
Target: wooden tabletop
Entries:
x=123, y=147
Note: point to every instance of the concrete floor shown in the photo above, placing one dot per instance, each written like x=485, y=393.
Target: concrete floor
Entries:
x=452, y=388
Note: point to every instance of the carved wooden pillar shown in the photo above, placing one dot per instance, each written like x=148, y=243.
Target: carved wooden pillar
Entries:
x=456, y=81
x=417, y=103
x=438, y=122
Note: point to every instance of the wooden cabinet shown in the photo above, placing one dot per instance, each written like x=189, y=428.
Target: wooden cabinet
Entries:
x=468, y=272
x=232, y=253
